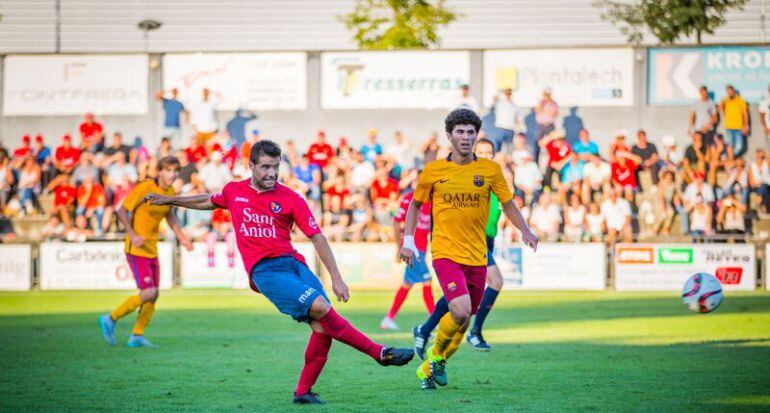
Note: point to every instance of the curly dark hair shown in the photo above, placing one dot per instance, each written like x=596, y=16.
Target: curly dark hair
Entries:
x=266, y=148
x=462, y=116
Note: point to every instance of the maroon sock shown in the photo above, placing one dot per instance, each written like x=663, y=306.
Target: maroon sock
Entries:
x=398, y=301
x=316, y=354
x=427, y=296
x=341, y=330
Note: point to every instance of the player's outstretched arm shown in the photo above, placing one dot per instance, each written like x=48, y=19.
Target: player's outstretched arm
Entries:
x=324, y=251
x=202, y=201
x=409, y=250
x=514, y=215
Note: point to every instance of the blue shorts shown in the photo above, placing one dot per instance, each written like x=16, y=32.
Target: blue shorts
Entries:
x=288, y=284
x=490, y=252
x=419, y=273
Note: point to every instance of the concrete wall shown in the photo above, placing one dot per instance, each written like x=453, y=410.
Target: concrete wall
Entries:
x=416, y=124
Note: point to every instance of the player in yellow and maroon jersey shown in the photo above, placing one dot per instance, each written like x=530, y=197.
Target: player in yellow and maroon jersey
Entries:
x=142, y=221
x=459, y=188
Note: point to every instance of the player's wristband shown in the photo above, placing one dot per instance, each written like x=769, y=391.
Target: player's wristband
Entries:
x=409, y=243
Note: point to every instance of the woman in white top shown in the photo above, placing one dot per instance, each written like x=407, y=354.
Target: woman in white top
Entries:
x=574, y=216
x=760, y=178
x=29, y=181
x=6, y=180
x=700, y=219
x=739, y=175
x=731, y=216
x=594, y=223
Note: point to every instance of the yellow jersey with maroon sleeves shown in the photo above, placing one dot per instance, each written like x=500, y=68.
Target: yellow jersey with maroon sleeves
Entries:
x=460, y=198
x=146, y=218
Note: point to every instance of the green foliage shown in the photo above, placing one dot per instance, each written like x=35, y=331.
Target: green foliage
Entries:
x=667, y=20
x=397, y=24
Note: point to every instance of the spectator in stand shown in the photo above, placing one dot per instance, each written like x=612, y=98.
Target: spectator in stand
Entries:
x=165, y=149
x=116, y=146
x=546, y=112
x=731, y=216
x=6, y=180
x=362, y=225
x=309, y=174
x=764, y=115
x=619, y=144
x=594, y=223
x=85, y=168
x=196, y=222
x=466, y=100
x=187, y=169
x=344, y=154
x=700, y=219
x=695, y=159
x=546, y=218
x=669, y=199
x=616, y=212
x=91, y=202
x=572, y=176
x=336, y=190
x=29, y=185
x=704, y=116
x=121, y=171
x=64, y=196
x=221, y=230
x=91, y=134
x=760, y=172
x=196, y=152
x=528, y=180
x=140, y=152
x=66, y=156
x=735, y=114
x=624, y=171
x=215, y=174
x=361, y=174
x=430, y=149
x=574, y=219
x=44, y=159
x=508, y=118
x=203, y=117
x=174, y=111
x=648, y=154
x=738, y=178
x=672, y=158
x=521, y=152
x=371, y=149
x=320, y=152
x=236, y=127
x=245, y=148
x=585, y=148
x=697, y=188
x=225, y=145
x=400, y=151
x=384, y=196
x=558, y=154
x=23, y=152
x=597, y=174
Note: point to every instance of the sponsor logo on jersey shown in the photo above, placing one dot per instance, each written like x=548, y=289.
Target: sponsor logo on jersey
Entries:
x=275, y=207
x=451, y=286
x=478, y=180
x=241, y=199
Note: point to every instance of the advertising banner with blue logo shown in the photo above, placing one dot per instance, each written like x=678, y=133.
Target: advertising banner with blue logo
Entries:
x=555, y=266
x=674, y=75
x=665, y=267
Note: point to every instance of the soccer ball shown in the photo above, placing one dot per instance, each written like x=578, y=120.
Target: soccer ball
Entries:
x=702, y=293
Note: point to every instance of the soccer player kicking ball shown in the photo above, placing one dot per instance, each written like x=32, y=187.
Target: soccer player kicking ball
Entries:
x=142, y=228
x=418, y=273
x=484, y=149
x=263, y=213
x=459, y=189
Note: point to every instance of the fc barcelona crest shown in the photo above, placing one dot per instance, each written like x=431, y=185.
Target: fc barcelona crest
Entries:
x=275, y=207
x=478, y=180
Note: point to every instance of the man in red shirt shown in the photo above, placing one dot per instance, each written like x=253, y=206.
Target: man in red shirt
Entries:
x=196, y=152
x=263, y=213
x=22, y=152
x=66, y=156
x=91, y=203
x=559, y=151
x=320, y=152
x=624, y=173
x=90, y=132
x=63, y=198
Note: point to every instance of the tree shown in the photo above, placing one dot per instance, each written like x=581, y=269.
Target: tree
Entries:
x=397, y=24
x=668, y=20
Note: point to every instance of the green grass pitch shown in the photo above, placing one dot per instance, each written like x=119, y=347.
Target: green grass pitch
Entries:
x=232, y=351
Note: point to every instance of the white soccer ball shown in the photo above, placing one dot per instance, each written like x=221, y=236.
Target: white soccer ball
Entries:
x=702, y=293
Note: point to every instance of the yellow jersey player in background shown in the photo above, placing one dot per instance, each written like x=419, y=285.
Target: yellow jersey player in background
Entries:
x=142, y=222
x=459, y=189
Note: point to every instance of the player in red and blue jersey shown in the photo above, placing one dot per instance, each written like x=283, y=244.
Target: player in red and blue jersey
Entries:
x=263, y=213
x=419, y=273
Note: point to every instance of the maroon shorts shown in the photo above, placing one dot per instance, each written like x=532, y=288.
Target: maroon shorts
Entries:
x=146, y=271
x=459, y=279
